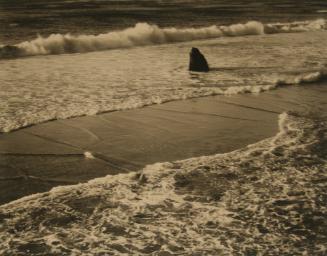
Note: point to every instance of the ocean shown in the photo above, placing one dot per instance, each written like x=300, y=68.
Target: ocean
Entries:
x=64, y=59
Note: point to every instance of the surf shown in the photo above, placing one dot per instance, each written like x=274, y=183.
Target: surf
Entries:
x=165, y=208
x=143, y=34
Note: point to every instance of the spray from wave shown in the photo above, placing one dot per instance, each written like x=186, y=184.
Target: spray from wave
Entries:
x=145, y=34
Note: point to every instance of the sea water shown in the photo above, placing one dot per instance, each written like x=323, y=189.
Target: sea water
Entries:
x=149, y=65
x=266, y=199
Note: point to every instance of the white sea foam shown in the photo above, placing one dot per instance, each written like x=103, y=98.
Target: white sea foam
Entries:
x=305, y=78
x=88, y=155
x=298, y=26
x=140, y=35
x=8, y=125
x=88, y=84
x=147, y=34
x=268, y=192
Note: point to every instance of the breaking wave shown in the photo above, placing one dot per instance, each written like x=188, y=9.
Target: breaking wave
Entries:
x=298, y=26
x=264, y=199
x=145, y=34
x=313, y=77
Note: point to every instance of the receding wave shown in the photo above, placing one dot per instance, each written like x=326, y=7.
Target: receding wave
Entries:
x=145, y=34
x=270, y=192
x=10, y=124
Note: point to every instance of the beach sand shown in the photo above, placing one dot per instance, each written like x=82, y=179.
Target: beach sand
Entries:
x=62, y=152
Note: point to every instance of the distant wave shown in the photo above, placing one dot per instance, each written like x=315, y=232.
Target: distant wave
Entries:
x=297, y=26
x=145, y=34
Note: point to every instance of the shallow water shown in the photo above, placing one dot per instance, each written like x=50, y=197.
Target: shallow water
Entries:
x=42, y=88
x=269, y=197
x=266, y=198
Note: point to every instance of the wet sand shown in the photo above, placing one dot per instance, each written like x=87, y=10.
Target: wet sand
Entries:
x=43, y=156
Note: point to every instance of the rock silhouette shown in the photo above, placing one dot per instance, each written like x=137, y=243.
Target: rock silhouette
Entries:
x=197, y=61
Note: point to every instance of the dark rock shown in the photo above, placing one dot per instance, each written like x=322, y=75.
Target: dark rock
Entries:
x=198, y=61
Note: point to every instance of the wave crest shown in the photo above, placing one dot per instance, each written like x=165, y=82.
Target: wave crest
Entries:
x=146, y=34
x=139, y=35
x=314, y=77
x=298, y=26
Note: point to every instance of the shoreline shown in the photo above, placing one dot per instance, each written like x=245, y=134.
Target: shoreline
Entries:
x=228, y=194
x=70, y=151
